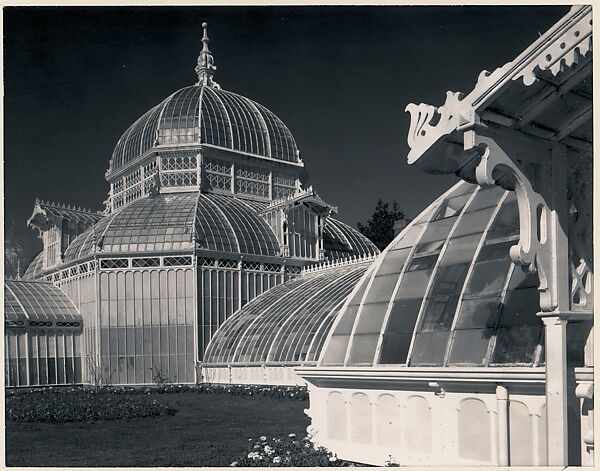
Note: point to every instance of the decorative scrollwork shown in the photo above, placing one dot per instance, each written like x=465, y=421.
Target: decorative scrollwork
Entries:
x=429, y=123
x=534, y=249
x=581, y=261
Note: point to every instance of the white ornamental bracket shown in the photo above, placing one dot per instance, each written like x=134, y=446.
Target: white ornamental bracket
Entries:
x=538, y=248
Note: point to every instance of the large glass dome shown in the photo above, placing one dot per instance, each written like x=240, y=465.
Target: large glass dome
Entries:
x=445, y=292
x=201, y=114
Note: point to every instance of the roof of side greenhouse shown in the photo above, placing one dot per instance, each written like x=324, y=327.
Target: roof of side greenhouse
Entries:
x=289, y=323
x=35, y=303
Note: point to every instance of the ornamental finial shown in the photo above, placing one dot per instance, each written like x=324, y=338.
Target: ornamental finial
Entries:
x=206, y=67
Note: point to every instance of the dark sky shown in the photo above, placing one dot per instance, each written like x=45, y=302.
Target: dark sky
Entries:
x=339, y=77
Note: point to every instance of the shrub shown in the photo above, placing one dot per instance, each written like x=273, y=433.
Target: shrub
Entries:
x=287, y=451
x=78, y=405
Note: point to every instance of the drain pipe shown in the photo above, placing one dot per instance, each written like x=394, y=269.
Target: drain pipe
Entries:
x=502, y=403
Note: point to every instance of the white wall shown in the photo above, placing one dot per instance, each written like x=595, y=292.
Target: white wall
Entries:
x=271, y=375
x=415, y=426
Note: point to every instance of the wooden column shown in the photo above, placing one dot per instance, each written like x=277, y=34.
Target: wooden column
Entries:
x=556, y=389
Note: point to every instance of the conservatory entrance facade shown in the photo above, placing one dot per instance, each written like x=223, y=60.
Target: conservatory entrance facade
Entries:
x=469, y=341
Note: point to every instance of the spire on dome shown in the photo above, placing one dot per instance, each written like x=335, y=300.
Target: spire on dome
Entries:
x=206, y=67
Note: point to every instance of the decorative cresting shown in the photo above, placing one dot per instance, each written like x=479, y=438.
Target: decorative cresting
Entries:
x=206, y=67
x=561, y=47
x=455, y=138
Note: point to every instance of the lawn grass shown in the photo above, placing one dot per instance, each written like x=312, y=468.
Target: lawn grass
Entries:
x=206, y=430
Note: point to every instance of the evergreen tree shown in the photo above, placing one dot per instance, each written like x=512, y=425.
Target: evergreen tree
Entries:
x=380, y=228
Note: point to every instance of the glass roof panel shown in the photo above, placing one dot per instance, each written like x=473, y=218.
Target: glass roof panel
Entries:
x=252, y=232
x=35, y=267
x=282, y=143
x=250, y=123
x=213, y=232
x=215, y=122
x=36, y=301
x=341, y=241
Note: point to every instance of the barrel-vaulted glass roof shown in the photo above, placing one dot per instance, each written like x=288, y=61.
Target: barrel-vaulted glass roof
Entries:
x=287, y=324
x=185, y=221
x=205, y=115
x=445, y=292
x=27, y=302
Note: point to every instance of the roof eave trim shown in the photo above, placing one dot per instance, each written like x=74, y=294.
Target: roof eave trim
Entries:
x=432, y=128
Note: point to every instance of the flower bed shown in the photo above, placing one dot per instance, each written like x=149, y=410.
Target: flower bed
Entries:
x=84, y=403
x=287, y=451
x=56, y=405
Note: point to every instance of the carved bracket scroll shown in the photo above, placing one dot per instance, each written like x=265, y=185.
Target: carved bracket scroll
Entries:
x=536, y=242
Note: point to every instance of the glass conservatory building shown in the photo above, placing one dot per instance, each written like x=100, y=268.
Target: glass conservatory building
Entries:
x=469, y=341
x=209, y=206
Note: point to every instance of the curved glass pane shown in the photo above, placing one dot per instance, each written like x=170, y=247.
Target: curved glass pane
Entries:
x=84, y=244
x=138, y=138
x=179, y=119
x=283, y=145
x=215, y=122
x=213, y=232
x=253, y=234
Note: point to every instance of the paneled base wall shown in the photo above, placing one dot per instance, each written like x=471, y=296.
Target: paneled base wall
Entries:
x=430, y=423
x=269, y=375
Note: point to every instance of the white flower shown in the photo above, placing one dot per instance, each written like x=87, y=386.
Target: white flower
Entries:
x=333, y=458
x=276, y=460
x=268, y=449
x=263, y=439
x=292, y=435
x=235, y=463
